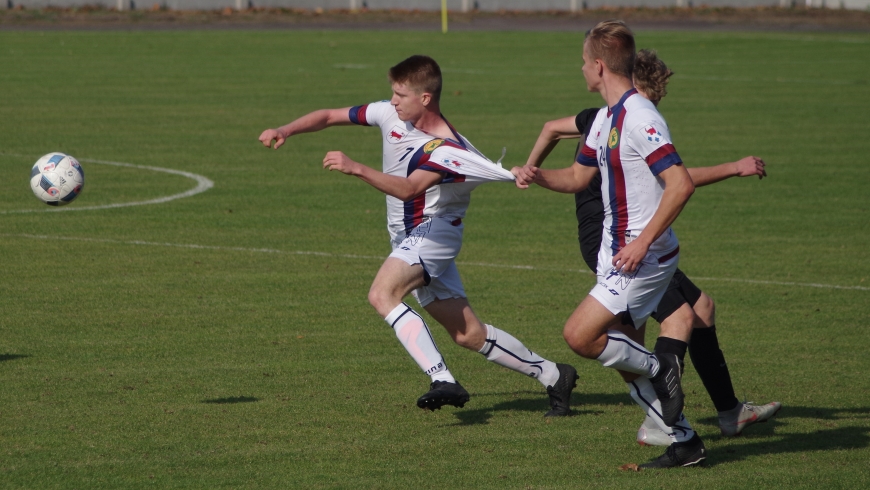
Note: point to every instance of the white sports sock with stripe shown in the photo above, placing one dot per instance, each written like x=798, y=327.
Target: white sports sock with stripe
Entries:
x=415, y=336
x=624, y=354
x=644, y=394
x=505, y=350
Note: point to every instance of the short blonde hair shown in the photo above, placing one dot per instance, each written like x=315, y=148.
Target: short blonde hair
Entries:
x=612, y=42
x=651, y=75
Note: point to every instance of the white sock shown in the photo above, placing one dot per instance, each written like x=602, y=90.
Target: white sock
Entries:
x=505, y=350
x=624, y=354
x=644, y=394
x=415, y=336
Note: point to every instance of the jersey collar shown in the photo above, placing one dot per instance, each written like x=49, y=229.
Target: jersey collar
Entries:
x=618, y=107
x=459, y=140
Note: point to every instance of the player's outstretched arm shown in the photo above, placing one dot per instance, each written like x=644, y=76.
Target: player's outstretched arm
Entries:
x=678, y=190
x=553, y=131
x=566, y=180
x=309, y=123
x=403, y=188
x=745, y=167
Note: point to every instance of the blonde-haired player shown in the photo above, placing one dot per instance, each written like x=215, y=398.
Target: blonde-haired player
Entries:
x=644, y=187
x=683, y=302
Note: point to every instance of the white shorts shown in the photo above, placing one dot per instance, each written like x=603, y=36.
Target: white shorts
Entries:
x=434, y=244
x=636, y=294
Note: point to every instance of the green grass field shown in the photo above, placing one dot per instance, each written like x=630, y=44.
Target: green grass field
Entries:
x=201, y=343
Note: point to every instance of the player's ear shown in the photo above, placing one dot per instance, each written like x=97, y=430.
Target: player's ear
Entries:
x=599, y=67
x=426, y=98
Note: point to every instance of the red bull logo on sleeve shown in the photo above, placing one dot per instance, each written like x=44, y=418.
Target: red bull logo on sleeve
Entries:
x=652, y=134
x=396, y=134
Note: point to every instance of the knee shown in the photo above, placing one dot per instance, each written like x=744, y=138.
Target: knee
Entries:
x=680, y=323
x=381, y=302
x=705, y=311
x=581, y=345
x=473, y=337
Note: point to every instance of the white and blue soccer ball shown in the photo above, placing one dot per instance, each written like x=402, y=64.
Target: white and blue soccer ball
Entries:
x=57, y=179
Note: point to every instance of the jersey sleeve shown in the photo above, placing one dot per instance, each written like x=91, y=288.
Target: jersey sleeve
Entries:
x=372, y=114
x=456, y=164
x=587, y=156
x=584, y=120
x=652, y=140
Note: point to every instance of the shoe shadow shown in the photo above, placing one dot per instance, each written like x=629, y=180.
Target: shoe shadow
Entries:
x=12, y=357
x=533, y=401
x=232, y=399
x=852, y=437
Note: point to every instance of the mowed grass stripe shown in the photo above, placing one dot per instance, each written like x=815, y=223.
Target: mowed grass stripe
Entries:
x=375, y=257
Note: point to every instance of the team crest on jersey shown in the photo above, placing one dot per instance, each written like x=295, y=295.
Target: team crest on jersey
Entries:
x=430, y=146
x=652, y=134
x=396, y=135
x=613, y=138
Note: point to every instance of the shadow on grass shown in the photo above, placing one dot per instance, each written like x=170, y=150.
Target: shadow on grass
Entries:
x=232, y=399
x=758, y=439
x=540, y=403
x=852, y=437
x=12, y=357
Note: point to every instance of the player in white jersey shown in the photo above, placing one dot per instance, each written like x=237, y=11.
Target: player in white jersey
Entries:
x=683, y=301
x=429, y=171
x=644, y=188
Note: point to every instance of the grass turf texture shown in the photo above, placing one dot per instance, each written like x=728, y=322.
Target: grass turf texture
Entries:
x=130, y=364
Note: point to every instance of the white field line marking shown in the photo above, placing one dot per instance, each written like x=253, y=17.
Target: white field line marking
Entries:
x=378, y=257
x=769, y=80
x=202, y=184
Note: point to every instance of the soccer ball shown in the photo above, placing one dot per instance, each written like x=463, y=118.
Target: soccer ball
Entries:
x=56, y=179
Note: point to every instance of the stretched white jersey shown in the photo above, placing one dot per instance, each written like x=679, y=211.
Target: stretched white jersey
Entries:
x=407, y=149
x=631, y=145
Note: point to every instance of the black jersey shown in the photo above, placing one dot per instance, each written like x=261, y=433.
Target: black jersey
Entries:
x=590, y=207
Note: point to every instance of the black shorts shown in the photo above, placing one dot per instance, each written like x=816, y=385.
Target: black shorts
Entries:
x=680, y=291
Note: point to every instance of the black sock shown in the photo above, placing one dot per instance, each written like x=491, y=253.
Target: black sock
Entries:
x=710, y=364
x=666, y=345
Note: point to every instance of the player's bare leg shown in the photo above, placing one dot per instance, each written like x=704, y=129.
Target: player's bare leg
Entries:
x=460, y=321
x=395, y=280
x=500, y=347
x=591, y=331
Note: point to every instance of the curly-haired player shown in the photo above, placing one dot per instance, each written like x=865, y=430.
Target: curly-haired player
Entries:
x=683, y=302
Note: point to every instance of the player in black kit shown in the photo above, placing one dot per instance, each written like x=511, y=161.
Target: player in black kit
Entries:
x=683, y=302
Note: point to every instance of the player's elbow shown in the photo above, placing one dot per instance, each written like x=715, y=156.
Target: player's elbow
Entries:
x=690, y=188
x=550, y=131
x=686, y=188
x=406, y=194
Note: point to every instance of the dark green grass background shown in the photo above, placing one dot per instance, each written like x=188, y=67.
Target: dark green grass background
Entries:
x=131, y=358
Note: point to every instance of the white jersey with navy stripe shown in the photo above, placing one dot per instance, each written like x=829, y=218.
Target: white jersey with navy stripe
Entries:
x=631, y=145
x=407, y=149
